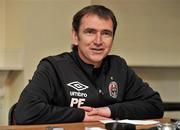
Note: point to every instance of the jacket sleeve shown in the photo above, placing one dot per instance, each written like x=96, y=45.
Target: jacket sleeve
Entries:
x=140, y=100
x=35, y=105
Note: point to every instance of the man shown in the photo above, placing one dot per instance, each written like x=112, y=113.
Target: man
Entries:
x=87, y=84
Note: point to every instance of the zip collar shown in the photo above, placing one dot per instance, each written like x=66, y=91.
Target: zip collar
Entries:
x=88, y=68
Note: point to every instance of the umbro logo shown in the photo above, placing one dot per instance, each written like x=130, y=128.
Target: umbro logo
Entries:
x=77, y=85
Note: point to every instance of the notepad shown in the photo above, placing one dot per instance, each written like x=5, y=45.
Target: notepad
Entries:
x=135, y=122
x=93, y=128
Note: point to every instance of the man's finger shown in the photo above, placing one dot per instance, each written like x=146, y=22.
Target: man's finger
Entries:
x=86, y=108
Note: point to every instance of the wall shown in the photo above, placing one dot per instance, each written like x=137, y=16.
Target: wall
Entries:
x=2, y=31
x=148, y=31
x=34, y=28
x=147, y=37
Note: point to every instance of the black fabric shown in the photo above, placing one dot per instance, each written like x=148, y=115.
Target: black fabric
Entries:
x=11, y=115
x=171, y=106
x=119, y=126
x=50, y=98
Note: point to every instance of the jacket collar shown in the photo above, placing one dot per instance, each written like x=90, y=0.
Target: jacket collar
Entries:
x=88, y=68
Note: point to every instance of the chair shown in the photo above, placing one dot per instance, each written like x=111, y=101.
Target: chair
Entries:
x=11, y=115
x=171, y=106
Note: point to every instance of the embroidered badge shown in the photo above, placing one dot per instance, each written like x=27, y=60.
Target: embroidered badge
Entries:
x=113, y=89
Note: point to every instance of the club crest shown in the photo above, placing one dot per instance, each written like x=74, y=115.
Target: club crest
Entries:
x=113, y=89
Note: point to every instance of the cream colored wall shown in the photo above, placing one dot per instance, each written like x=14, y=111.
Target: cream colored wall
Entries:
x=11, y=46
x=11, y=40
x=147, y=35
x=48, y=29
x=2, y=30
x=148, y=31
x=36, y=28
x=14, y=33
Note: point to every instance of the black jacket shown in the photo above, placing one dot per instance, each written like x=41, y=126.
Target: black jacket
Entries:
x=62, y=83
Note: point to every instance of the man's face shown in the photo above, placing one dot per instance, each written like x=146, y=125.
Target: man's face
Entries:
x=94, y=39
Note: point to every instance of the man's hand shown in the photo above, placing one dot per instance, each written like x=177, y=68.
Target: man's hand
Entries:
x=96, y=114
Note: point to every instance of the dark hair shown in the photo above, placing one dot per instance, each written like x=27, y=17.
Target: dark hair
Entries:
x=98, y=10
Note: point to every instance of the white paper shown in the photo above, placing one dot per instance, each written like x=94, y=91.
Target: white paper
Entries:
x=135, y=122
x=93, y=128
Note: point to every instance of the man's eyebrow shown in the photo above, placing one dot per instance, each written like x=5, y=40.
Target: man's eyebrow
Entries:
x=92, y=29
x=108, y=30
x=89, y=29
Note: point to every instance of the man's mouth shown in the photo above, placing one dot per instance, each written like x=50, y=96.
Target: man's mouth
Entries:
x=97, y=50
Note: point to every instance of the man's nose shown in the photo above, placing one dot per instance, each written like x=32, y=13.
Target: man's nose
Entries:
x=98, y=38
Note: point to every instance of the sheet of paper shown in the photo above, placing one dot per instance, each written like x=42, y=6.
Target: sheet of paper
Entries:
x=94, y=128
x=135, y=122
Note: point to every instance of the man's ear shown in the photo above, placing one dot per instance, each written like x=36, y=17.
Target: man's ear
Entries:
x=74, y=37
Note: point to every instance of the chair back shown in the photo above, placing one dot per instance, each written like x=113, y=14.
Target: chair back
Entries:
x=11, y=115
x=171, y=106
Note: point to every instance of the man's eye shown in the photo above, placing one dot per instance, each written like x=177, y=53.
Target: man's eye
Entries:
x=107, y=33
x=90, y=32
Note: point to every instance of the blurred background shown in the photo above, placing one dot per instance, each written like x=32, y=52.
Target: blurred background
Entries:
x=148, y=37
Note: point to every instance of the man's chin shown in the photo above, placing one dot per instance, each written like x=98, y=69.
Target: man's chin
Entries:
x=97, y=60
